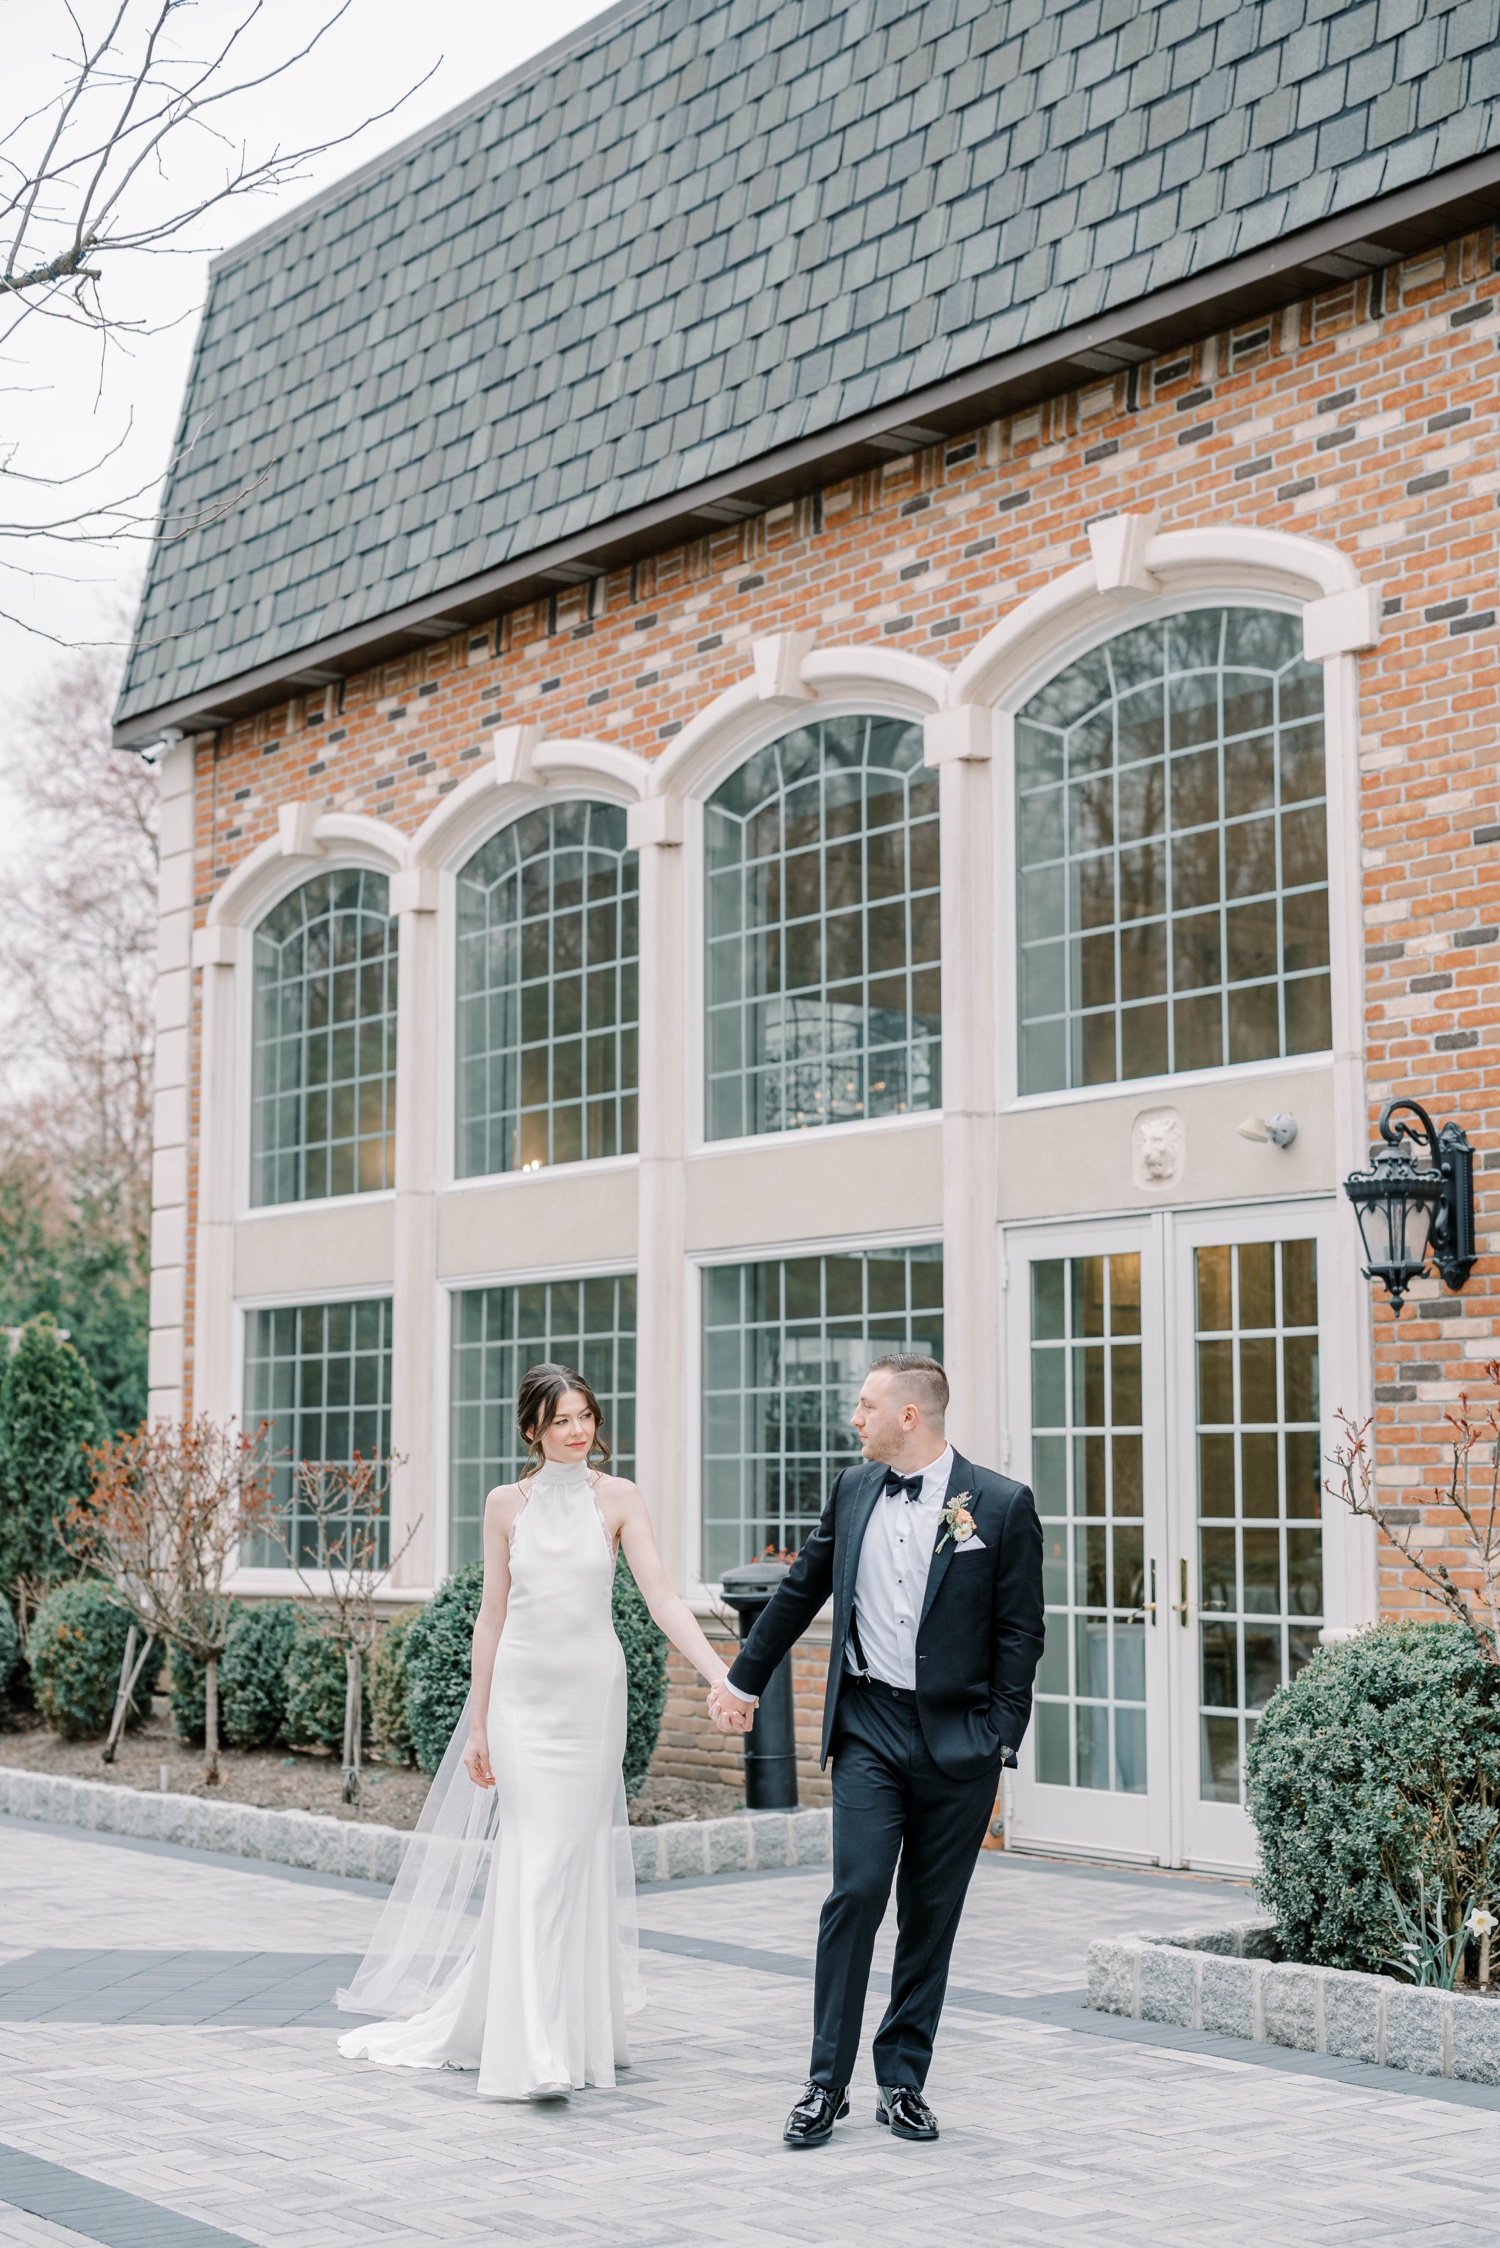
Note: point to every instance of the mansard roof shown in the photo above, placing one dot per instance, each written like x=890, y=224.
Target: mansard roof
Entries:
x=705, y=253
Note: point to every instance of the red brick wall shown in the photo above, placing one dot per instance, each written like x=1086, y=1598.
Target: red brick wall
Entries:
x=1367, y=423
x=692, y=1748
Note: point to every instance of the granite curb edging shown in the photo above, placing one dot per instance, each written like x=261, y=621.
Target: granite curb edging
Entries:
x=1230, y=1981
x=750, y=1842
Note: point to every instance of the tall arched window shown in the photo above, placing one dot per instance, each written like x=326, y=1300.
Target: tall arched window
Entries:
x=822, y=924
x=1173, y=856
x=323, y=1072
x=547, y=983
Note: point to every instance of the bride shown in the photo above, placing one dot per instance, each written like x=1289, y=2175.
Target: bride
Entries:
x=523, y=1831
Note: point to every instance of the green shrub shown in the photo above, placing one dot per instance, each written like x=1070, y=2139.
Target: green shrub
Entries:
x=645, y=1646
x=390, y=1689
x=316, y=1683
x=75, y=1647
x=10, y=1643
x=188, y=1691
x=439, y=1656
x=252, y=1676
x=1379, y=1762
x=49, y=1409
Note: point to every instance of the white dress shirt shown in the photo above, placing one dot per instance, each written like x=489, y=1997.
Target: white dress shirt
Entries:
x=892, y=1579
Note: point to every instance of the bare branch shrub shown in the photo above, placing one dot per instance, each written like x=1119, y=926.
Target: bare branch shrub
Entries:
x=1472, y=1492
x=344, y=1535
x=169, y=1509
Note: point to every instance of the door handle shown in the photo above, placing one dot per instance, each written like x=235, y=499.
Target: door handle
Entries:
x=1180, y=1605
x=1136, y=1615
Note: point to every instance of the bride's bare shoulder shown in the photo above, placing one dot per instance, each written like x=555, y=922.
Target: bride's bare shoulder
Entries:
x=618, y=1492
x=503, y=1504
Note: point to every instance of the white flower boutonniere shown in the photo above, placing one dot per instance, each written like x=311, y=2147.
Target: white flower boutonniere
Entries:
x=957, y=1521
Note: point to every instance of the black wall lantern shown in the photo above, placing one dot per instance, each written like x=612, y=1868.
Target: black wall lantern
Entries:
x=1407, y=1208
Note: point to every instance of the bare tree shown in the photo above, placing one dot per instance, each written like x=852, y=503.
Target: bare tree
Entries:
x=77, y=1015
x=1473, y=1494
x=137, y=149
x=344, y=1513
x=169, y=1509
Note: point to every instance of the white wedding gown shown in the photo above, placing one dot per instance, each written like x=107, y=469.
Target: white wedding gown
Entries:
x=538, y=2009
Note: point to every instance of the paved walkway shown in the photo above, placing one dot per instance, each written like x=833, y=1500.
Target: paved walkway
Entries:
x=168, y=2080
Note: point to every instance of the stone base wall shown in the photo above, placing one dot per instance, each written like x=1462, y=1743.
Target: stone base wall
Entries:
x=354, y=1850
x=1233, y=1983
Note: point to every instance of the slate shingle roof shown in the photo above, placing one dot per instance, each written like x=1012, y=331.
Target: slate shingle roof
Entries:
x=705, y=228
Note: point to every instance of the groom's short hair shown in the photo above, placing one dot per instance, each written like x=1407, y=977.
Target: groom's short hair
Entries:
x=923, y=1380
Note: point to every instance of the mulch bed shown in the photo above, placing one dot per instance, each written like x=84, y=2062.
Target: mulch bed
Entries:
x=275, y=1779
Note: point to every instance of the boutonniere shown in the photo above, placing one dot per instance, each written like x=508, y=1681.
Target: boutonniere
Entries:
x=957, y=1521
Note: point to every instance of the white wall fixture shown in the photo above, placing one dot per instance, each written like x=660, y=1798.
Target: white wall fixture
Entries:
x=1118, y=545
x=1341, y=623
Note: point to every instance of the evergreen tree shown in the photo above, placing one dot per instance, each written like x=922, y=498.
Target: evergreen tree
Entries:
x=49, y=1409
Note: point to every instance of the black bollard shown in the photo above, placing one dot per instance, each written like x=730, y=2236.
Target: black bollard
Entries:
x=771, y=1743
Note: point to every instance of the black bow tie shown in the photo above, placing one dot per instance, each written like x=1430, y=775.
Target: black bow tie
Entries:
x=909, y=1485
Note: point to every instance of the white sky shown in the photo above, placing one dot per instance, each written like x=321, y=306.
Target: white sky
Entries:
x=58, y=411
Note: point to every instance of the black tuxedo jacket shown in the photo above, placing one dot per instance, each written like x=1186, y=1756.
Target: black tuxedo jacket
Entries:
x=979, y=1638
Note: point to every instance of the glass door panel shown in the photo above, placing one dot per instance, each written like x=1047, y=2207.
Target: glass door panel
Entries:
x=1085, y=1365
x=1086, y=1461
x=1252, y=1498
x=1166, y=1381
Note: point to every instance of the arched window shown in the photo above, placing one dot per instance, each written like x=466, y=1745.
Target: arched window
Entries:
x=323, y=1075
x=547, y=983
x=822, y=924
x=1172, y=853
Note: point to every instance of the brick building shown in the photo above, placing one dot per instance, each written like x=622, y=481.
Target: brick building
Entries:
x=808, y=662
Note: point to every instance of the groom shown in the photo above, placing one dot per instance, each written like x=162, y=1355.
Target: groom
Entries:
x=935, y=1572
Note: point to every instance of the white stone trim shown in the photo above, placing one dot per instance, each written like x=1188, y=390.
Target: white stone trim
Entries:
x=167, y=1346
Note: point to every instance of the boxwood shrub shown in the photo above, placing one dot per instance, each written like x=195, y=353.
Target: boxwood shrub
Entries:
x=188, y=1691
x=316, y=1683
x=645, y=1646
x=10, y=1643
x=390, y=1689
x=1380, y=1761
x=75, y=1647
x=438, y=1660
x=252, y=1676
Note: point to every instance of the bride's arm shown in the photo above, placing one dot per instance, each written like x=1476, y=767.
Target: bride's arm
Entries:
x=668, y=1608
x=487, y=1629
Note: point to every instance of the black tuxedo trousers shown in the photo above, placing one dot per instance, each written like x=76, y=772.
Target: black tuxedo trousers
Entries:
x=890, y=1803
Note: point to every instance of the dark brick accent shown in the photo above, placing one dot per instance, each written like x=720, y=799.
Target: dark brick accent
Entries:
x=1101, y=452
x=1285, y=492
x=1433, y=482
x=1336, y=401
x=1454, y=1041
x=1247, y=469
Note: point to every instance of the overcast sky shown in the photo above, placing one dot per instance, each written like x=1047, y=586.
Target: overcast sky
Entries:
x=60, y=409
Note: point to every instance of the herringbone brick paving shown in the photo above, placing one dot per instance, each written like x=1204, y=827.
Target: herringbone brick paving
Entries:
x=1049, y=2135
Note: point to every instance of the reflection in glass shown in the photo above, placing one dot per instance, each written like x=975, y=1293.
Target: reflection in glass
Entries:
x=823, y=969
x=1260, y=1581
x=785, y=1346
x=1221, y=843
x=1086, y=1467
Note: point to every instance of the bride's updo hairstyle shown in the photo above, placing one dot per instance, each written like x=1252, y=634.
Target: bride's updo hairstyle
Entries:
x=542, y=1389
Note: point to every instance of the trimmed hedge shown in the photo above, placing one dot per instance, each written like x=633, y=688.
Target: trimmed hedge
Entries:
x=188, y=1691
x=49, y=1409
x=390, y=1689
x=645, y=1647
x=252, y=1676
x=439, y=1655
x=10, y=1643
x=316, y=1684
x=75, y=1647
x=1380, y=1761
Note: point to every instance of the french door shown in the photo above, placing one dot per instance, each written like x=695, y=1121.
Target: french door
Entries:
x=1167, y=1378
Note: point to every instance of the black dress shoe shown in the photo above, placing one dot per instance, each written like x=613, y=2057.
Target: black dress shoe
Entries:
x=812, y=2120
x=906, y=2112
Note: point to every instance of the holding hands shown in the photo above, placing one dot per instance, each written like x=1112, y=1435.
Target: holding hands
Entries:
x=731, y=1712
